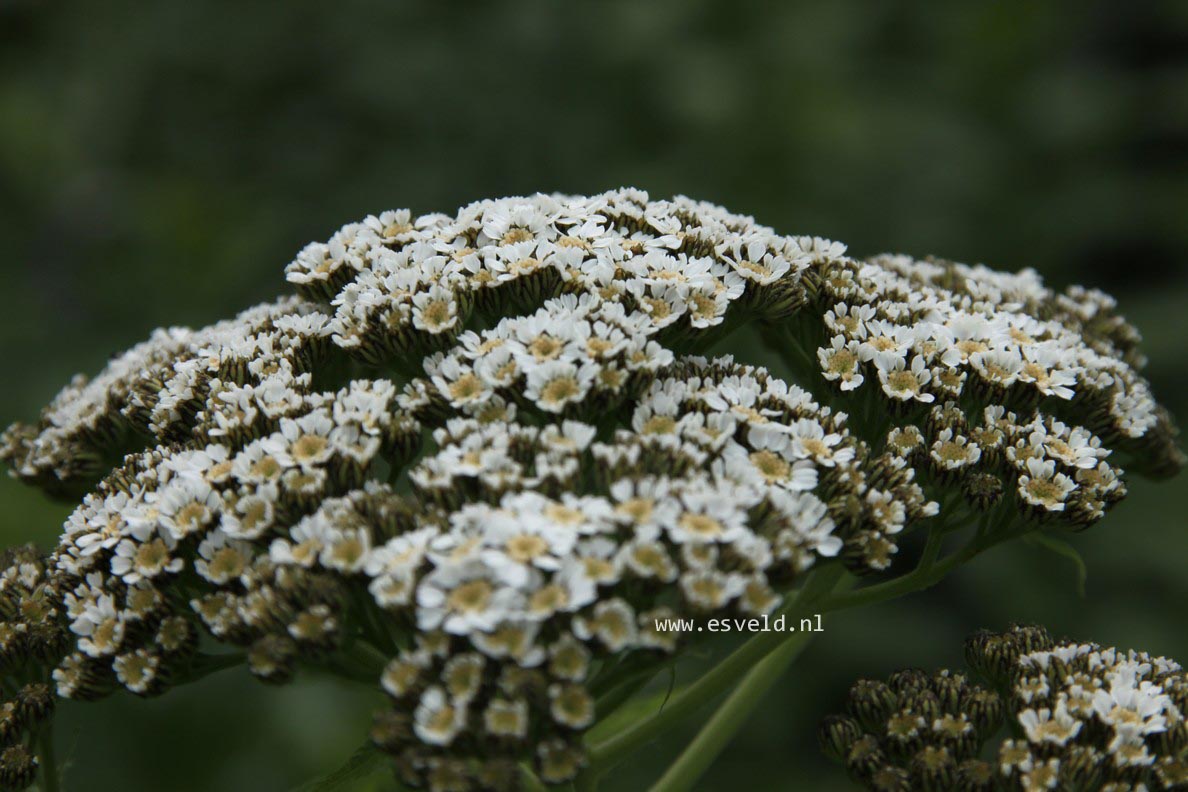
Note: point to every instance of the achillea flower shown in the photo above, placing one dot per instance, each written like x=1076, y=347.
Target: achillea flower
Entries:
x=487, y=450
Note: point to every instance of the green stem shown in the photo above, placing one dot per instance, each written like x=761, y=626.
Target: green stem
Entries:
x=345, y=671
x=372, y=623
x=203, y=665
x=611, y=676
x=528, y=780
x=617, y=696
x=720, y=729
x=360, y=663
x=923, y=576
x=932, y=547
x=752, y=660
x=713, y=683
x=371, y=658
x=586, y=782
x=47, y=760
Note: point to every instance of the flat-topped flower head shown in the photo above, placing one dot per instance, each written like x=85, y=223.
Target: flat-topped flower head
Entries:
x=491, y=448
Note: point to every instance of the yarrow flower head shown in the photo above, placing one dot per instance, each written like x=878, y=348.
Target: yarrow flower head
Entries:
x=1086, y=717
x=482, y=454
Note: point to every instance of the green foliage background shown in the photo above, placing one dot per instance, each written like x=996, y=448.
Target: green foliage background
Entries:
x=161, y=162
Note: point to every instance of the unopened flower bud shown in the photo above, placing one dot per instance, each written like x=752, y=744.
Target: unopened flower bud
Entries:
x=35, y=702
x=18, y=767
x=836, y=735
x=273, y=658
x=391, y=730
x=865, y=757
x=871, y=702
x=982, y=490
x=975, y=775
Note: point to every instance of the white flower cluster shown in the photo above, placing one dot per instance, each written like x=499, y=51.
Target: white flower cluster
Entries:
x=1081, y=706
x=209, y=509
x=490, y=445
x=1055, y=472
x=1087, y=717
x=177, y=384
x=1083, y=687
x=924, y=331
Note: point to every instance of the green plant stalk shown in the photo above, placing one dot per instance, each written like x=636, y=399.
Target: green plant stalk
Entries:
x=529, y=782
x=372, y=623
x=734, y=711
x=203, y=665
x=345, y=670
x=746, y=660
x=585, y=783
x=720, y=729
x=619, y=695
x=359, y=662
x=713, y=683
x=47, y=760
x=729, y=718
x=371, y=658
x=928, y=573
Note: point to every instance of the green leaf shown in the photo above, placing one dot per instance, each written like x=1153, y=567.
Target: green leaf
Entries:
x=1062, y=548
x=362, y=764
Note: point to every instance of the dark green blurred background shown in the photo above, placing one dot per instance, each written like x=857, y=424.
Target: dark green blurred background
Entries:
x=161, y=162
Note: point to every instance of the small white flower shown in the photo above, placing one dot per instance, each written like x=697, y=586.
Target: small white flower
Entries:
x=841, y=362
x=906, y=383
x=1044, y=487
x=437, y=720
x=435, y=311
x=1048, y=726
x=556, y=384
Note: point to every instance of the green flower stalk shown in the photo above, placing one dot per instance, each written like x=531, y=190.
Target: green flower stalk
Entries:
x=479, y=461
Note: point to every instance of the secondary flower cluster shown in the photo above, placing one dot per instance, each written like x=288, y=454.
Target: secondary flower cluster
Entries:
x=929, y=331
x=1044, y=469
x=31, y=638
x=176, y=387
x=487, y=451
x=1081, y=717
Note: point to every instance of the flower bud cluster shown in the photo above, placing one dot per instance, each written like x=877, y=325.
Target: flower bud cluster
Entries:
x=32, y=638
x=1082, y=717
